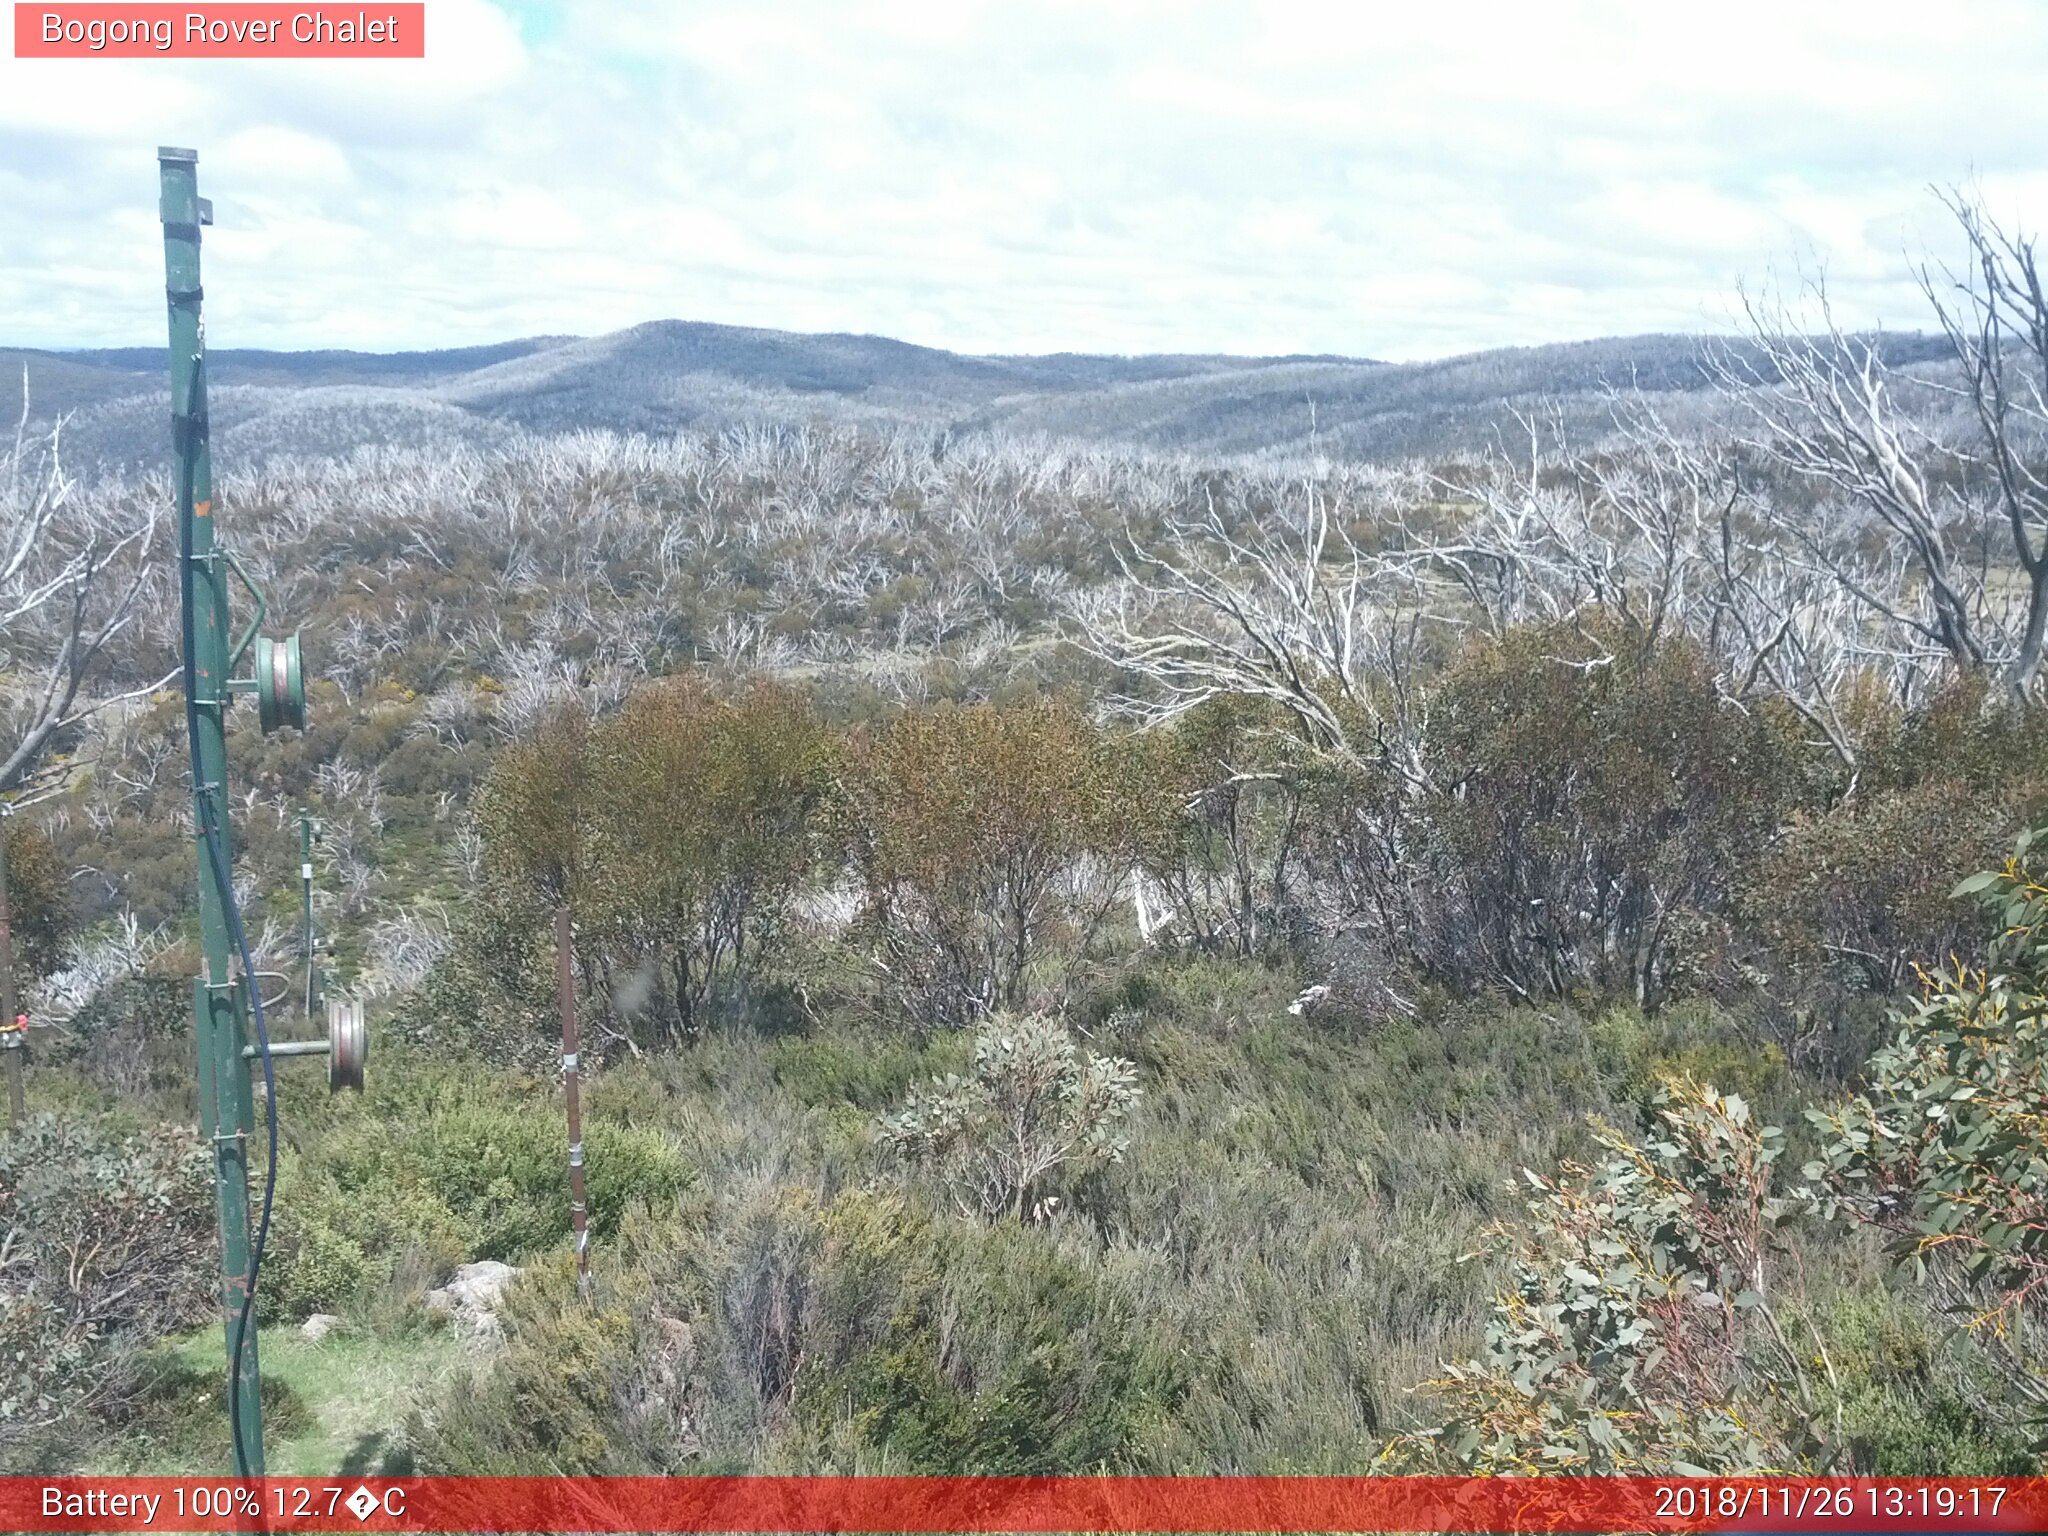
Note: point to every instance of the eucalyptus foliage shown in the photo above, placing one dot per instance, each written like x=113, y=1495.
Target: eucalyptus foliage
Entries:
x=1032, y=1103
x=1640, y=1332
x=1947, y=1149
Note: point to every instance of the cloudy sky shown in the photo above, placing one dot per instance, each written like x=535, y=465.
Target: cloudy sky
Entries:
x=1400, y=181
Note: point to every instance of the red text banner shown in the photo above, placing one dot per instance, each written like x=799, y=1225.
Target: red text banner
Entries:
x=226, y=31
x=961, y=1504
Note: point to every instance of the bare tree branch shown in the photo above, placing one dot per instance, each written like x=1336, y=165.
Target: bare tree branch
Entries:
x=74, y=568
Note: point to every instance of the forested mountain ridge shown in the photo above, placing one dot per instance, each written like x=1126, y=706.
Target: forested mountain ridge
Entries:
x=672, y=375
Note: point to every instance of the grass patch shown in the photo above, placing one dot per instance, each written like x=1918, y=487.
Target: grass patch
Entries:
x=335, y=1408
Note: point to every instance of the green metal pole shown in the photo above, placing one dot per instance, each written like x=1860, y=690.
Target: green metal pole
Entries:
x=226, y=1108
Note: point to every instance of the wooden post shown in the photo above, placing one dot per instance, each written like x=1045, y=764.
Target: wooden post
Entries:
x=13, y=1041
x=306, y=900
x=565, y=996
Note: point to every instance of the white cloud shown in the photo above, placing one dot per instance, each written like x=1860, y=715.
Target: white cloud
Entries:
x=1394, y=181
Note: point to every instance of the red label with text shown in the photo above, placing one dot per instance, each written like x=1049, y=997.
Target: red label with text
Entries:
x=235, y=31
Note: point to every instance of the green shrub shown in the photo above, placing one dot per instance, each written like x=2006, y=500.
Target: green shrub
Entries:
x=679, y=832
x=1861, y=887
x=39, y=898
x=1641, y=1334
x=133, y=1037
x=1219, y=819
x=491, y=998
x=1942, y=1151
x=1865, y=890
x=440, y=1162
x=106, y=1244
x=991, y=843
x=325, y=1272
x=818, y=1336
x=1912, y=1404
x=356, y=1244
x=984, y=1351
x=869, y=1070
x=506, y=1174
x=1034, y=1104
x=1582, y=809
x=706, y=823
x=499, y=1171
x=551, y=1397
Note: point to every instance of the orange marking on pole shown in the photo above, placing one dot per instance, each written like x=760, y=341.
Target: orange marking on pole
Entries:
x=202, y=509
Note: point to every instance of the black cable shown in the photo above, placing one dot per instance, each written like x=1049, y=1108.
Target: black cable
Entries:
x=234, y=917
x=217, y=857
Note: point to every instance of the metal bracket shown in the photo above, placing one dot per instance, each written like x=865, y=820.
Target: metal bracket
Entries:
x=248, y=636
x=288, y=1048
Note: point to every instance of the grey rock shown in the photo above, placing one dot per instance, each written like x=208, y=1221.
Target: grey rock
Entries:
x=470, y=1299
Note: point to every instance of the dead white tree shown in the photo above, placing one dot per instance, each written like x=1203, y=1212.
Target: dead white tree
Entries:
x=1624, y=531
x=73, y=571
x=1996, y=318
x=1782, y=629
x=1959, y=510
x=1287, y=607
x=1659, y=532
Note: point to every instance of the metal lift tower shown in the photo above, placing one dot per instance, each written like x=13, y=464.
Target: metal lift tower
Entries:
x=225, y=1001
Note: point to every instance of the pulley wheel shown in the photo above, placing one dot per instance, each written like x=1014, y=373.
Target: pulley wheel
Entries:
x=280, y=684
x=348, y=1046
